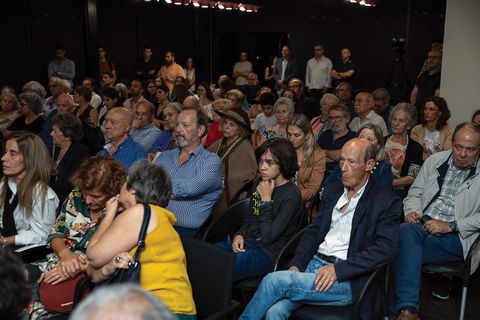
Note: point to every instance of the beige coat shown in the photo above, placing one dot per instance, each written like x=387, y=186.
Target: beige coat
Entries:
x=309, y=178
x=418, y=134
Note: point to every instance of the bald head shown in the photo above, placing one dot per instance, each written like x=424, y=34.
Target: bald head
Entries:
x=357, y=159
x=118, y=122
x=64, y=103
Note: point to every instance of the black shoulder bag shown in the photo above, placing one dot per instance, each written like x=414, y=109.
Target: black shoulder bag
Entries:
x=132, y=274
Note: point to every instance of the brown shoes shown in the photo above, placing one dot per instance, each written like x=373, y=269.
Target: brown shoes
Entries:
x=407, y=315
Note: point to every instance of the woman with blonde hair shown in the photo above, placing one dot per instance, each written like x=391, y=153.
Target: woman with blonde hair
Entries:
x=311, y=159
x=27, y=203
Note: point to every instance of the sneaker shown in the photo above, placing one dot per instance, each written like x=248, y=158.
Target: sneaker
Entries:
x=443, y=288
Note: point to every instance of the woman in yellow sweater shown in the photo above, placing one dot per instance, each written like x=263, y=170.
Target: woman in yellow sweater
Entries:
x=164, y=271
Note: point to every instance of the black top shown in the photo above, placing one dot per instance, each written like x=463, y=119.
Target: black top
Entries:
x=326, y=141
x=20, y=125
x=272, y=224
x=307, y=106
x=344, y=67
x=427, y=84
x=71, y=161
x=142, y=67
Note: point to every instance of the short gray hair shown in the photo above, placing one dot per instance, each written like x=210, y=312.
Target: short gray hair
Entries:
x=176, y=106
x=33, y=101
x=409, y=109
x=36, y=87
x=122, y=301
x=151, y=182
x=285, y=101
x=330, y=96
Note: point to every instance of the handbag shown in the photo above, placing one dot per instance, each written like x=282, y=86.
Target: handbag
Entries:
x=62, y=297
x=132, y=273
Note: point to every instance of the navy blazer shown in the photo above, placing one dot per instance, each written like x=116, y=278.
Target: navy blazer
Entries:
x=291, y=71
x=373, y=239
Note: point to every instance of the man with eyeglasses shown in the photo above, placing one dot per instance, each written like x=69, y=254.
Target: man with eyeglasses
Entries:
x=332, y=140
x=303, y=104
x=442, y=217
x=144, y=132
x=317, y=75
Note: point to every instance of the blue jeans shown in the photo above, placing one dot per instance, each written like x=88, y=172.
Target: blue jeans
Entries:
x=251, y=263
x=282, y=292
x=418, y=247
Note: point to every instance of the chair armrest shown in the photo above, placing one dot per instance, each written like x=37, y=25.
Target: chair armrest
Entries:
x=375, y=277
x=468, y=260
x=288, y=246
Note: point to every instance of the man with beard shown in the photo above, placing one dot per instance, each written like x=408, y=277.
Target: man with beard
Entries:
x=333, y=139
x=195, y=172
x=136, y=95
x=170, y=71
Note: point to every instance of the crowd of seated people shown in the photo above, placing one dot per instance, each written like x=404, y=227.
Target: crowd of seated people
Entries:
x=187, y=154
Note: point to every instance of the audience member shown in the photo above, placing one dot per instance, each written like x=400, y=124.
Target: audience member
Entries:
x=14, y=286
x=332, y=140
x=35, y=87
x=89, y=83
x=195, y=172
x=192, y=102
x=283, y=110
x=288, y=93
x=105, y=66
x=433, y=133
x=123, y=91
x=256, y=108
x=164, y=270
x=122, y=302
x=274, y=213
x=180, y=92
x=190, y=75
x=311, y=159
x=27, y=210
x=285, y=69
x=476, y=117
x=320, y=124
x=237, y=98
x=107, y=81
x=60, y=66
x=364, y=114
x=96, y=181
x=344, y=92
x=166, y=141
x=441, y=216
x=241, y=69
x=88, y=115
x=144, y=132
x=147, y=66
x=214, y=132
x=162, y=100
x=111, y=100
x=250, y=90
x=303, y=104
x=404, y=153
x=7, y=89
x=205, y=96
x=268, y=74
x=381, y=105
x=266, y=118
x=344, y=70
x=118, y=122
x=30, y=106
x=9, y=109
x=317, y=76
x=239, y=165
x=135, y=92
x=67, y=153
x=428, y=82
x=151, y=91
x=337, y=254
x=64, y=104
x=171, y=70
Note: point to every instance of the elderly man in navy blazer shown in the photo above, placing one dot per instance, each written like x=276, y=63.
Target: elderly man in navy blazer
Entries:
x=355, y=232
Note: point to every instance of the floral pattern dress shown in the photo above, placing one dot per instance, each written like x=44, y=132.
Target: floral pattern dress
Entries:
x=76, y=228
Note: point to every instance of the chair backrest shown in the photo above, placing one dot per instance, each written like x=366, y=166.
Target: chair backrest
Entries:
x=287, y=252
x=228, y=223
x=243, y=193
x=210, y=270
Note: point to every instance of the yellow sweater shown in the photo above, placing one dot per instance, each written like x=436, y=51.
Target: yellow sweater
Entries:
x=164, y=269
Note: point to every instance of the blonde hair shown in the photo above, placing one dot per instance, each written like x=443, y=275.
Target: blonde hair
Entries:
x=37, y=166
x=308, y=148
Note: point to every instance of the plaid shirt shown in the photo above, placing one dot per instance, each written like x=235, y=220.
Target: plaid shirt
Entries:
x=442, y=208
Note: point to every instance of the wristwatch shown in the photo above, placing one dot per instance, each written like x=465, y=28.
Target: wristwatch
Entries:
x=453, y=226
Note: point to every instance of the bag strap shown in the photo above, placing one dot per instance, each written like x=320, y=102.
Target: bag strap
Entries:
x=143, y=231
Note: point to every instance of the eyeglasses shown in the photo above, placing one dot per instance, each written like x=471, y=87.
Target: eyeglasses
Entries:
x=269, y=162
x=295, y=86
x=469, y=150
x=337, y=118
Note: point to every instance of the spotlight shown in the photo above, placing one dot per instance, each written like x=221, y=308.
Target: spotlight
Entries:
x=196, y=4
x=178, y=2
x=241, y=7
x=168, y=1
x=220, y=6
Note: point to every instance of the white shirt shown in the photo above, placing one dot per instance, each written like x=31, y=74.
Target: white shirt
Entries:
x=33, y=229
x=371, y=117
x=337, y=239
x=432, y=140
x=96, y=100
x=242, y=66
x=317, y=75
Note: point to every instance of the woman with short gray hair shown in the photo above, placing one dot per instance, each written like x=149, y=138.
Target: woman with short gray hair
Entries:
x=164, y=270
x=283, y=110
x=30, y=107
x=404, y=153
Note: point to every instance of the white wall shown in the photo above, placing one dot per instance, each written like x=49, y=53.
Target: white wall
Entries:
x=460, y=84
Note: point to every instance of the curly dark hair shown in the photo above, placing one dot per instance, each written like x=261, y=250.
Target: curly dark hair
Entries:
x=99, y=173
x=444, y=111
x=283, y=153
x=14, y=287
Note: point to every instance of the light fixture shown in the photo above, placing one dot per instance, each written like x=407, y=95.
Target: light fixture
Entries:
x=241, y=7
x=196, y=4
x=220, y=6
x=168, y=1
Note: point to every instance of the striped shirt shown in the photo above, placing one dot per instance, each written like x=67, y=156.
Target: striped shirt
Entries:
x=196, y=184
